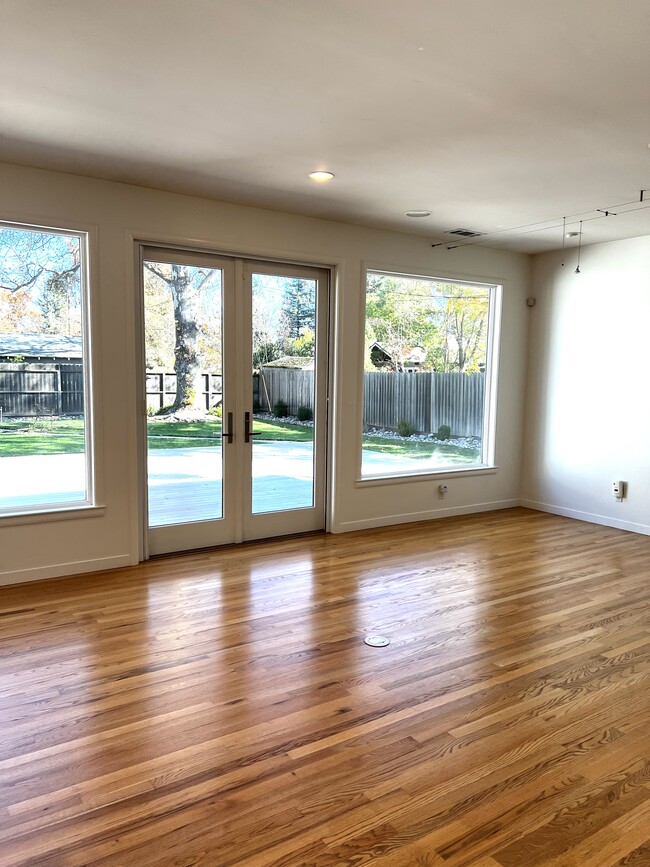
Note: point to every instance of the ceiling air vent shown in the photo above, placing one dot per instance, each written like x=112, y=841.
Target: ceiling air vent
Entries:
x=465, y=233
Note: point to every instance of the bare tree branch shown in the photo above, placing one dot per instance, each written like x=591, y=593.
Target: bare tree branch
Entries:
x=207, y=276
x=60, y=274
x=150, y=267
x=26, y=284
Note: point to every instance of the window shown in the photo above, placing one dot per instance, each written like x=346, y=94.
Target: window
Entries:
x=428, y=371
x=44, y=425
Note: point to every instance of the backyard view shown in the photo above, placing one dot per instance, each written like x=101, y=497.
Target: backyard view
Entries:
x=42, y=429
x=426, y=349
x=185, y=393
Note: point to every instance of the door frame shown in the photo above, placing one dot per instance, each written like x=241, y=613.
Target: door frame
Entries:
x=136, y=242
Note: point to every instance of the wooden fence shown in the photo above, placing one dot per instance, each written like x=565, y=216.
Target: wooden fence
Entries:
x=424, y=400
x=294, y=387
x=161, y=389
x=36, y=389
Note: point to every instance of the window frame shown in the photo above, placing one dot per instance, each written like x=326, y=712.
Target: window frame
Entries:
x=488, y=465
x=92, y=504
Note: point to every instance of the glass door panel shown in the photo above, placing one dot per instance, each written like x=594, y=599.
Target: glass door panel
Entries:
x=183, y=319
x=284, y=348
x=185, y=389
x=286, y=312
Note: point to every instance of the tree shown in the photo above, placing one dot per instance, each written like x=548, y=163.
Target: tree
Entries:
x=186, y=284
x=299, y=306
x=269, y=327
x=304, y=346
x=446, y=320
x=60, y=304
x=40, y=282
x=158, y=323
x=17, y=315
x=400, y=315
x=29, y=258
x=464, y=323
x=284, y=317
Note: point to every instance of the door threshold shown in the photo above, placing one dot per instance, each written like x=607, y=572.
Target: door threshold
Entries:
x=230, y=545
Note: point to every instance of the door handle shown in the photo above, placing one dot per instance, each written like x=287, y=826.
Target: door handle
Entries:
x=228, y=433
x=248, y=433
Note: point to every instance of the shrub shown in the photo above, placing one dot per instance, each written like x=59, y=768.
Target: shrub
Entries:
x=405, y=428
x=444, y=432
x=165, y=410
x=216, y=410
x=304, y=414
x=280, y=409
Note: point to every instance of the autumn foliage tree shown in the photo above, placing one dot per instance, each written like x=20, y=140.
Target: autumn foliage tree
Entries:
x=17, y=314
x=39, y=282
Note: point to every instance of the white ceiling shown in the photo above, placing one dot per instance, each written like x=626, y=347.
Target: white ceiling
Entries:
x=489, y=113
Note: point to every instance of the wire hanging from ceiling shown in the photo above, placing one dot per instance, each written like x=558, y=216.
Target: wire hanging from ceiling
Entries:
x=543, y=225
x=577, y=270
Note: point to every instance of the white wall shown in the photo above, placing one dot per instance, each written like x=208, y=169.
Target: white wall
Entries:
x=119, y=212
x=588, y=413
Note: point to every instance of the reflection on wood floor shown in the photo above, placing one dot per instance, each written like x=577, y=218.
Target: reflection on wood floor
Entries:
x=221, y=708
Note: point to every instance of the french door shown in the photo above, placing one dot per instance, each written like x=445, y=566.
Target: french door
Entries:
x=236, y=397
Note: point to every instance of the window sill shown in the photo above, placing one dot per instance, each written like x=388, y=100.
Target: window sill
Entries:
x=46, y=516
x=425, y=476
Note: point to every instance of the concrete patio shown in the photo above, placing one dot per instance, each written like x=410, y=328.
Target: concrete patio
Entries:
x=184, y=483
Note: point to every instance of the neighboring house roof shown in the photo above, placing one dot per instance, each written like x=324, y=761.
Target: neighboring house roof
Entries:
x=379, y=348
x=415, y=354
x=293, y=362
x=41, y=345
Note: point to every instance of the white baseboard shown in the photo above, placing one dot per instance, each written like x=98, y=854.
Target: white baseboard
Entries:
x=428, y=515
x=60, y=570
x=605, y=520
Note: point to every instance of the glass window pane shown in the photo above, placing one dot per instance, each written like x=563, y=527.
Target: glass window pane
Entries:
x=42, y=356
x=183, y=343
x=426, y=358
x=284, y=350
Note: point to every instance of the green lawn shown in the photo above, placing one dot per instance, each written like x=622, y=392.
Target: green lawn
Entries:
x=41, y=437
x=66, y=436
x=19, y=445
x=175, y=434
x=419, y=450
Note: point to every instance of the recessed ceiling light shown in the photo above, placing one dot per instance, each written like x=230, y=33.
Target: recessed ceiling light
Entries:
x=417, y=214
x=321, y=176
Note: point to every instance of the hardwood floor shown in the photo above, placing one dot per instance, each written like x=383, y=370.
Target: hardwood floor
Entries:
x=221, y=708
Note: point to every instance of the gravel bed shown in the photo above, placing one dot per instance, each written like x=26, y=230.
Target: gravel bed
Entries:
x=459, y=442
x=289, y=419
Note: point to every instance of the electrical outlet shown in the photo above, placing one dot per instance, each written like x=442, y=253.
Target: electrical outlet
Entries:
x=442, y=491
x=618, y=490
